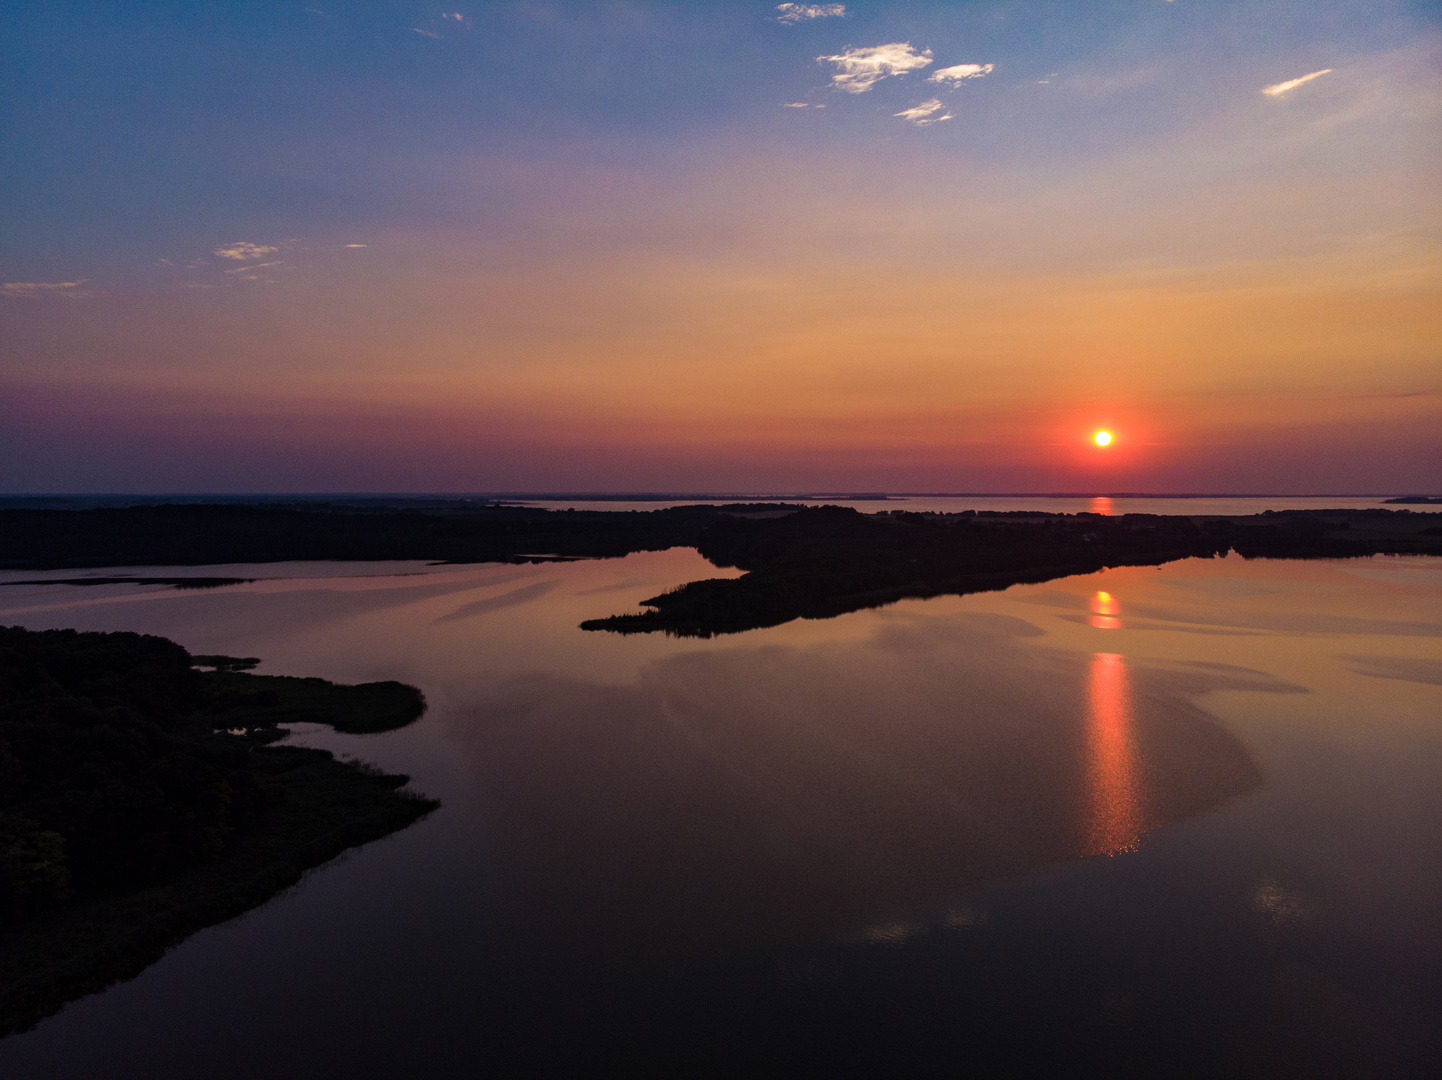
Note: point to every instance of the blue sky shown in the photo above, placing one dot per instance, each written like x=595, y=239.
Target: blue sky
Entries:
x=138, y=124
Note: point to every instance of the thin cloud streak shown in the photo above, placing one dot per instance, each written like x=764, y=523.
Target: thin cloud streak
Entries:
x=242, y=251
x=925, y=113
x=861, y=69
x=251, y=267
x=34, y=290
x=795, y=13
x=1278, y=89
x=960, y=72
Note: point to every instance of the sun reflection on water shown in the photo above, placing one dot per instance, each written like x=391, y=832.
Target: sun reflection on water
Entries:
x=1105, y=609
x=1114, y=810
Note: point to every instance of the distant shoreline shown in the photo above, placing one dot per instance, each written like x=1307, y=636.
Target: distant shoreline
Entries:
x=45, y=500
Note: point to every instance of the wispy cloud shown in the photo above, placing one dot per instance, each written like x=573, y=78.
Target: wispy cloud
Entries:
x=250, y=267
x=355, y=245
x=958, y=72
x=1281, y=88
x=925, y=113
x=451, y=20
x=795, y=13
x=242, y=251
x=34, y=290
x=861, y=69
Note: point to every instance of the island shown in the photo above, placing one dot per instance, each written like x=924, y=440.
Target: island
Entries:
x=144, y=796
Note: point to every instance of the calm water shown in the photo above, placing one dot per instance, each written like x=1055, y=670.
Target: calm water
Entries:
x=1184, y=819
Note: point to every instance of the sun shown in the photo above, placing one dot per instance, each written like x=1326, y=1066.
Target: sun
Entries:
x=1102, y=438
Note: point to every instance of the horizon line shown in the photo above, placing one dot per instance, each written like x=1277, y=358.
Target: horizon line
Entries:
x=659, y=496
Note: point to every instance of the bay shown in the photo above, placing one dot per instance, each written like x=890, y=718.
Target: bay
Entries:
x=1183, y=818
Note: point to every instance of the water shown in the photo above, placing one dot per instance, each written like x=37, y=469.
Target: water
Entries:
x=1183, y=819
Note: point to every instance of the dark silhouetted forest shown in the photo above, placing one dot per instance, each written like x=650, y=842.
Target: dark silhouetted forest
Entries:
x=189, y=534
x=824, y=561
x=127, y=772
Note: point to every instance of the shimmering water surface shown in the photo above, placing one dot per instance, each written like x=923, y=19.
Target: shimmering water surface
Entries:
x=1181, y=820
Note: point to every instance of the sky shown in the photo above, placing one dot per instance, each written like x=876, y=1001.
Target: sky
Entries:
x=731, y=247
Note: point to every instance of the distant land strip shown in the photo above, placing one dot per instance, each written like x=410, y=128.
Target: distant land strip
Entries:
x=799, y=561
x=175, y=582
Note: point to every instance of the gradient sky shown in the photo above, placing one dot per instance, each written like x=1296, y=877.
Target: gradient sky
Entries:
x=721, y=246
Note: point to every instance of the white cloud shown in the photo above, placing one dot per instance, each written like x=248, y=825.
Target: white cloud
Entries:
x=355, y=245
x=1281, y=88
x=423, y=33
x=34, y=290
x=957, y=72
x=795, y=13
x=796, y=105
x=925, y=113
x=453, y=15
x=241, y=251
x=861, y=69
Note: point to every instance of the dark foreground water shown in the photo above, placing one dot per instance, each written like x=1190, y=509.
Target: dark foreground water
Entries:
x=1172, y=821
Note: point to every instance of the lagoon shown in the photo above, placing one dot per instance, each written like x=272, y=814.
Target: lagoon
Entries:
x=1181, y=818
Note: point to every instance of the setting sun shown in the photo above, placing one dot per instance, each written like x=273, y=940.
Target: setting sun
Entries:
x=1102, y=438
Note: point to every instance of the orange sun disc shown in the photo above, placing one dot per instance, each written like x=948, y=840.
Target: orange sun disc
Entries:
x=1102, y=438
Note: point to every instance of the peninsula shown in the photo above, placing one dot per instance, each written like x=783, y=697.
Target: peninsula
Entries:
x=824, y=561
x=142, y=799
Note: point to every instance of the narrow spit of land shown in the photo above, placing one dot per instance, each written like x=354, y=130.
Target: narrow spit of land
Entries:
x=141, y=800
x=826, y=561
x=798, y=561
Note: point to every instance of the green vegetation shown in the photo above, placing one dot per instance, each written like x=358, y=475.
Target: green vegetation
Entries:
x=140, y=802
